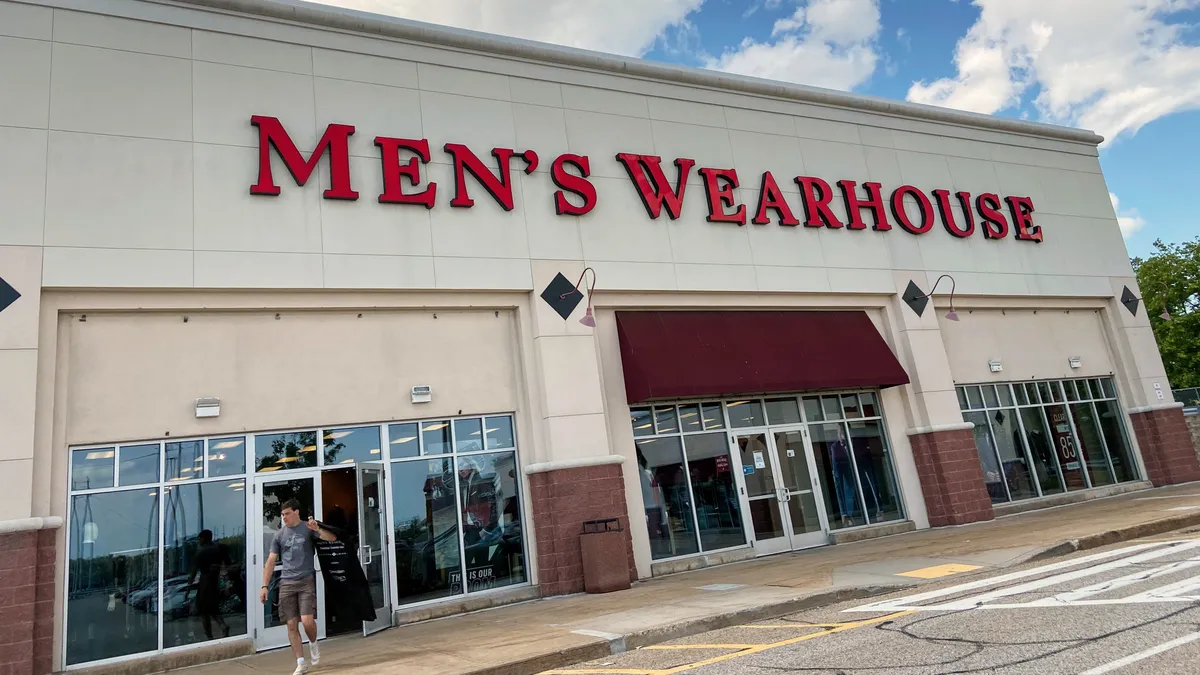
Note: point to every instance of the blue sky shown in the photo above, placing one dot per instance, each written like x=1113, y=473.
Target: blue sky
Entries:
x=1127, y=69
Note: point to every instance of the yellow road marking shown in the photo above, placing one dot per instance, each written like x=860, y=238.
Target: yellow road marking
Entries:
x=784, y=643
x=746, y=650
x=939, y=571
x=796, y=625
x=670, y=647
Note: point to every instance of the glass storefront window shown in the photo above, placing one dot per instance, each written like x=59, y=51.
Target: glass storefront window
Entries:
x=183, y=460
x=138, y=464
x=715, y=491
x=835, y=467
x=435, y=438
x=1108, y=414
x=425, y=521
x=491, y=521
x=875, y=474
x=468, y=435
x=714, y=417
x=499, y=433
x=204, y=560
x=850, y=409
x=226, y=457
x=93, y=468
x=1061, y=435
x=1091, y=445
x=112, y=590
x=870, y=404
x=348, y=446
x=276, y=452
x=993, y=479
x=667, y=499
x=744, y=414
x=1014, y=465
x=1041, y=449
x=404, y=441
x=783, y=411
x=689, y=417
x=643, y=421
x=665, y=421
x=812, y=409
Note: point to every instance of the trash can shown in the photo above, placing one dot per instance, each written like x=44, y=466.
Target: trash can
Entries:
x=605, y=562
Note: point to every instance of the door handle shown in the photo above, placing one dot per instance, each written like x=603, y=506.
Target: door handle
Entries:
x=367, y=551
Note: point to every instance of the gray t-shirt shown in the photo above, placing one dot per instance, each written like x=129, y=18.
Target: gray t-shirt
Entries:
x=293, y=546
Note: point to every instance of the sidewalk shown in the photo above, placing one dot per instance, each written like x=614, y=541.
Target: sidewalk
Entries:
x=528, y=638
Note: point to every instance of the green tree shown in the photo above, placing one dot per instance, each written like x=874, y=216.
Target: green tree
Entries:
x=1171, y=275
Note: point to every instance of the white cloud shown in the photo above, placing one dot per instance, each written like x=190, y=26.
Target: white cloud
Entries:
x=1130, y=221
x=1107, y=65
x=626, y=27
x=824, y=43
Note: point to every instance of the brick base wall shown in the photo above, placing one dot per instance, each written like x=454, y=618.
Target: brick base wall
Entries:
x=27, y=602
x=1166, y=445
x=951, y=477
x=562, y=501
x=1193, y=422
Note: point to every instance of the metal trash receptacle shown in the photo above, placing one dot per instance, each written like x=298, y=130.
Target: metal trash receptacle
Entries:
x=605, y=560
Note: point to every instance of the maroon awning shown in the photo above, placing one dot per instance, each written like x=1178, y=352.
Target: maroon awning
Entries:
x=689, y=354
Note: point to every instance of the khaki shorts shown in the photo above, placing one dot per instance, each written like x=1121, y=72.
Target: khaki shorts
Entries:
x=297, y=598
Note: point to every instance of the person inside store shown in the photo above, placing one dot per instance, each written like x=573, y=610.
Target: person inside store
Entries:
x=293, y=548
x=207, y=564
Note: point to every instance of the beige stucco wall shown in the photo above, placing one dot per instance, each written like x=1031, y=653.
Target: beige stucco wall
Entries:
x=1029, y=343
x=137, y=375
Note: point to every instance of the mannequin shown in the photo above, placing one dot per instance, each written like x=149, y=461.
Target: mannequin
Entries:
x=843, y=477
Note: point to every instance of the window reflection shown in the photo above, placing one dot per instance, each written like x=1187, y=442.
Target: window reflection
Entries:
x=468, y=435
x=112, y=595
x=204, y=578
x=1041, y=448
x=1109, y=417
x=783, y=411
x=184, y=460
x=1014, y=465
x=1091, y=445
x=499, y=433
x=491, y=521
x=744, y=414
x=425, y=520
x=226, y=457
x=274, y=452
x=139, y=464
x=435, y=436
x=348, y=446
x=715, y=491
x=93, y=468
x=404, y=441
x=875, y=474
x=835, y=468
x=993, y=479
x=666, y=499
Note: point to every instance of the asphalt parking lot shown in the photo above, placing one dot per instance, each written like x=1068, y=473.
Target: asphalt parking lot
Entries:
x=1128, y=608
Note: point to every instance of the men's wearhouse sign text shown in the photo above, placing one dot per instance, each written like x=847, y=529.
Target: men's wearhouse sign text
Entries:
x=906, y=207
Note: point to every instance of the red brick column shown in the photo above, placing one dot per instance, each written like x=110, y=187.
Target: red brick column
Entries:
x=951, y=477
x=26, y=602
x=1166, y=446
x=562, y=501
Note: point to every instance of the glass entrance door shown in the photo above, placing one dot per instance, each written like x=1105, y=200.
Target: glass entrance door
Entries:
x=805, y=518
x=372, y=540
x=764, y=495
x=270, y=494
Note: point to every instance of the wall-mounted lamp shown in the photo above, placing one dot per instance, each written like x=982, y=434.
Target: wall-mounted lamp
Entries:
x=588, y=319
x=1076, y=362
x=995, y=366
x=916, y=300
x=1131, y=303
x=208, y=407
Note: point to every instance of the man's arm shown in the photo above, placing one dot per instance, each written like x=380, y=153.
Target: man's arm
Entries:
x=324, y=534
x=268, y=571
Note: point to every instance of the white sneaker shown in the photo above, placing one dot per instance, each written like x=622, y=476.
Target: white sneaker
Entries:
x=316, y=653
x=301, y=669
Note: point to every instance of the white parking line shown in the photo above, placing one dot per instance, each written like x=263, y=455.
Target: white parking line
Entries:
x=911, y=601
x=1134, y=658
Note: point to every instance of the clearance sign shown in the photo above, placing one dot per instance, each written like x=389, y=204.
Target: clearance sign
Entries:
x=659, y=192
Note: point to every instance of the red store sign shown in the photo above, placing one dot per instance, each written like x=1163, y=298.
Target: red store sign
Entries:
x=576, y=195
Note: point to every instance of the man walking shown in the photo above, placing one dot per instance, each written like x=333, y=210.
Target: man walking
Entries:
x=293, y=548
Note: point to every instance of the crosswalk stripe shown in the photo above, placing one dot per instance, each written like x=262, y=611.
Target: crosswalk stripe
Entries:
x=910, y=601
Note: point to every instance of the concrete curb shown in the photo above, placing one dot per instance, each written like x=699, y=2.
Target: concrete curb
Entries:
x=1113, y=537
x=824, y=598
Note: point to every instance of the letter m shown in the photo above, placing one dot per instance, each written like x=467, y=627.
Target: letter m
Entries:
x=336, y=141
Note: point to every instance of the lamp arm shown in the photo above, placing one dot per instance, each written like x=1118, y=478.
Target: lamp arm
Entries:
x=953, y=286
x=581, y=276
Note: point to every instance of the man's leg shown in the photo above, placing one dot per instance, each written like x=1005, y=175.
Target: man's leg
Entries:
x=308, y=615
x=295, y=640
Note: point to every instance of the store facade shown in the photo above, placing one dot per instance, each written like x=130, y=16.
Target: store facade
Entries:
x=460, y=295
